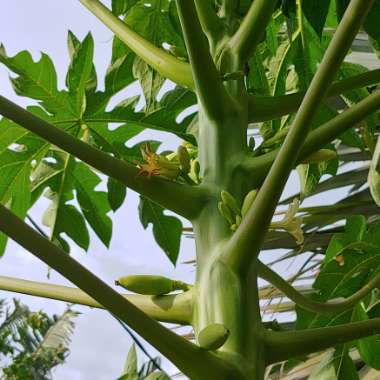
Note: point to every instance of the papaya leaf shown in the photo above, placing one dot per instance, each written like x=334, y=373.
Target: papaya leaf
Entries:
x=167, y=230
x=37, y=80
x=316, y=11
x=369, y=348
x=80, y=70
x=93, y=203
x=116, y=193
x=336, y=365
x=121, y=7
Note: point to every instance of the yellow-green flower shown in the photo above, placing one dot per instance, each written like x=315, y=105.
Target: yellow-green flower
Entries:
x=157, y=165
x=291, y=223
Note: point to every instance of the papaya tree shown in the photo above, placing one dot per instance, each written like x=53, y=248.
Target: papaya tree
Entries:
x=263, y=88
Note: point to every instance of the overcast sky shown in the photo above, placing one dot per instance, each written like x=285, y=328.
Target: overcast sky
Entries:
x=99, y=344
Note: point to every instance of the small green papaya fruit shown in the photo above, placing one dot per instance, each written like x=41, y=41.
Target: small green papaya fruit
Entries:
x=248, y=201
x=213, y=336
x=150, y=284
x=374, y=174
x=230, y=201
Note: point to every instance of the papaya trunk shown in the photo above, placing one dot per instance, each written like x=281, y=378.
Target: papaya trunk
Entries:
x=223, y=296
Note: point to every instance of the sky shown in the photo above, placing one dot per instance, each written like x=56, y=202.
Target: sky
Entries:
x=99, y=345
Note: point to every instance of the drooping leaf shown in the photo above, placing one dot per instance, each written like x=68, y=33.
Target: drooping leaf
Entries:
x=316, y=11
x=116, y=193
x=93, y=203
x=167, y=230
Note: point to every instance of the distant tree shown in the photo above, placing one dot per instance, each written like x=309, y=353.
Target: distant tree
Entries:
x=32, y=343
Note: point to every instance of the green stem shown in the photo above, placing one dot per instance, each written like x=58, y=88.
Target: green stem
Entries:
x=285, y=345
x=211, y=24
x=318, y=138
x=333, y=306
x=176, y=308
x=166, y=64
x=182, y=199
x=181, y=352
x=244, y=42
x=247, y=240
x=333, y=128
x=210, y=91
x=263, y=108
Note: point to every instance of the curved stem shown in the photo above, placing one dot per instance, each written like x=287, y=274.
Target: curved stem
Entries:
x=285, y=345
x=181, y=352
x=263, y=108
x=318, y=138
x=333, y=306
x=245, y=244
x=176, y=308
x=244, y=42
x=166, y=64
x=210, y=91
x=211, y=24
x=182, y=199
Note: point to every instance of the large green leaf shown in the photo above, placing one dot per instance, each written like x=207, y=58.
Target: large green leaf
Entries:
x=151, y=20
x=19, y=151
x=369, y=348
x=93, y=203
x=38, y=80
x=358, y=262
x=79, y=72
x=316, y=11
x=167, y=230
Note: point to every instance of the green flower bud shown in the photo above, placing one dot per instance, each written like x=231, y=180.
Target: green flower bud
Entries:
x=230, y=201
x=150, y=284
x=213, y=336
x=195, y=169
x=183, y=158
x=248, y=201
x=226, y=213
x=291, y=223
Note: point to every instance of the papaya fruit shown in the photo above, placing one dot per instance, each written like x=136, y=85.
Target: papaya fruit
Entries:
x=213, y=336
x=150, y=284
